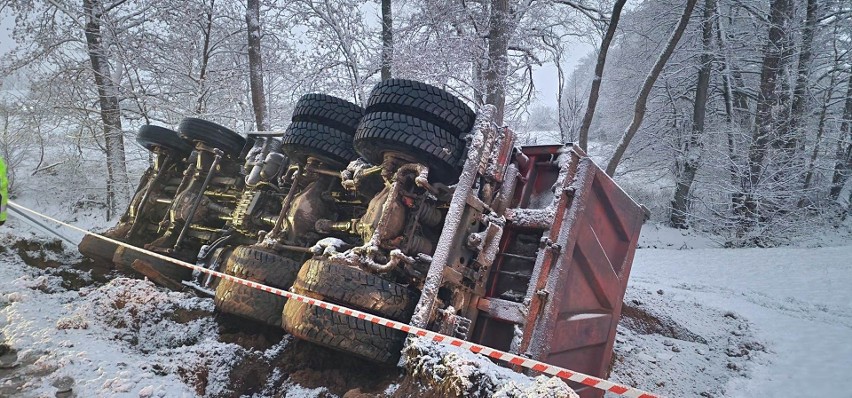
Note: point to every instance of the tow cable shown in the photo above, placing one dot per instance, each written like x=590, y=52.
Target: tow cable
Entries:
x=16, y=212
x=512, y=359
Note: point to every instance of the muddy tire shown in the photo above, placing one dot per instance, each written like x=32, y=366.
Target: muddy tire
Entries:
x=124, y=258
x=423, y=101
x=303, y=139
x=152, y=137
x=213, y=135
x=247, y=302
x=357, y=289
x=261, y=266
x=329, y=111
x=161, y=272
x=380, y=132
x=345, y=333
x=97, y=249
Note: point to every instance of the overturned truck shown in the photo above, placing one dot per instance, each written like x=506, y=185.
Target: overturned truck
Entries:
x=415, y=209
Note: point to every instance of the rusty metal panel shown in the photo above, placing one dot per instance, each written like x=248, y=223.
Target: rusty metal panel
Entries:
x=581, y=272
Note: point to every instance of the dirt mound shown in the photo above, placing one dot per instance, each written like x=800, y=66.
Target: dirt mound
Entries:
x=446, y=371
x=656, y=346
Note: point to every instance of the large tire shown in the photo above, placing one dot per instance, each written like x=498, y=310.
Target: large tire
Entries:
x=261, y=266
x=381, y=132
x=357, y=289
x=345, y=333
x=212, y=134
x=330, y=111
x=97, y=249
x=303, y=139
x=422, y=101
x=152, y=137
x=124, y=258
x=161, y=272
x=247, y=302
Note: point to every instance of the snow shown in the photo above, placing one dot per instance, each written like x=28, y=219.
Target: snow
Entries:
x=456, y=372
x=723, y=322
x=38, y=319
x=796, y=300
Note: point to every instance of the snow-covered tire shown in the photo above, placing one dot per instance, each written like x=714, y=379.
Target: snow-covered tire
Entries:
x=422, y=101
x=152, y=137
x=329, y=111
x=303, y=139
x=380, y=132
x=344, y=333
x=212, y=134
x=261, y=266
x=357, y=289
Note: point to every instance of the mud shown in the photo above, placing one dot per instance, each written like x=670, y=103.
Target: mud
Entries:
x=50, y=255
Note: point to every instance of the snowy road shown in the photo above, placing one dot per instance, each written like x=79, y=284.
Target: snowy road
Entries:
x=798, y=302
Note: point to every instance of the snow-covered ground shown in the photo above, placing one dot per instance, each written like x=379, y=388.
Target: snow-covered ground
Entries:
x=779, y=319
x=699, y=321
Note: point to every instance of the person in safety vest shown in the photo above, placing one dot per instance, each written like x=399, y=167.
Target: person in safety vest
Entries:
x=4, y=191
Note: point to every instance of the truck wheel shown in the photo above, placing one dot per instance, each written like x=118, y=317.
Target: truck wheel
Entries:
x=348, y=334
x=380, y=132
x=248, y=302
x=422, y=101
x=261, y=266
x=151, y=137
x=161, y=272
x=303, y=139
x=330, y=111
x=355, y=288
x=212, y=134
x=97, y=249
x=124, y=258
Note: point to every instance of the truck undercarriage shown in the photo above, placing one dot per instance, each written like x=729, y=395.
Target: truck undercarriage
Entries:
x=415, y=209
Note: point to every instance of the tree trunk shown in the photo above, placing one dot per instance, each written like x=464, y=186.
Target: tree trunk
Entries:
x=117, y=180
x=498, y=57
x=599, y=67
x=818, y=140
x=736, y=111
x=766, y=122
x=794, y=136
x=201, y=101
x=641, y=101
x=843, y=160
x=387, y=39
x=258, y=97
x=688, y=166
x=560, y=98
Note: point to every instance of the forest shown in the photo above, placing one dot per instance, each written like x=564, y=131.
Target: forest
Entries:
x=728, y=117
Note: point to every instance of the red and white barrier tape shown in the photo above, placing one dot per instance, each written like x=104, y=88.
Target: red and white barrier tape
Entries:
x=513, y=359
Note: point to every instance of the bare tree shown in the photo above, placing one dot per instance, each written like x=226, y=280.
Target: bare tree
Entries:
x=687, y=165
x=599, y=67
x=117, y=180
x=642, y=99
x=255, y=61
x=499, y=31
x=792, y=139
x=767, y=120
x=387, y=39
x=843, y=158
